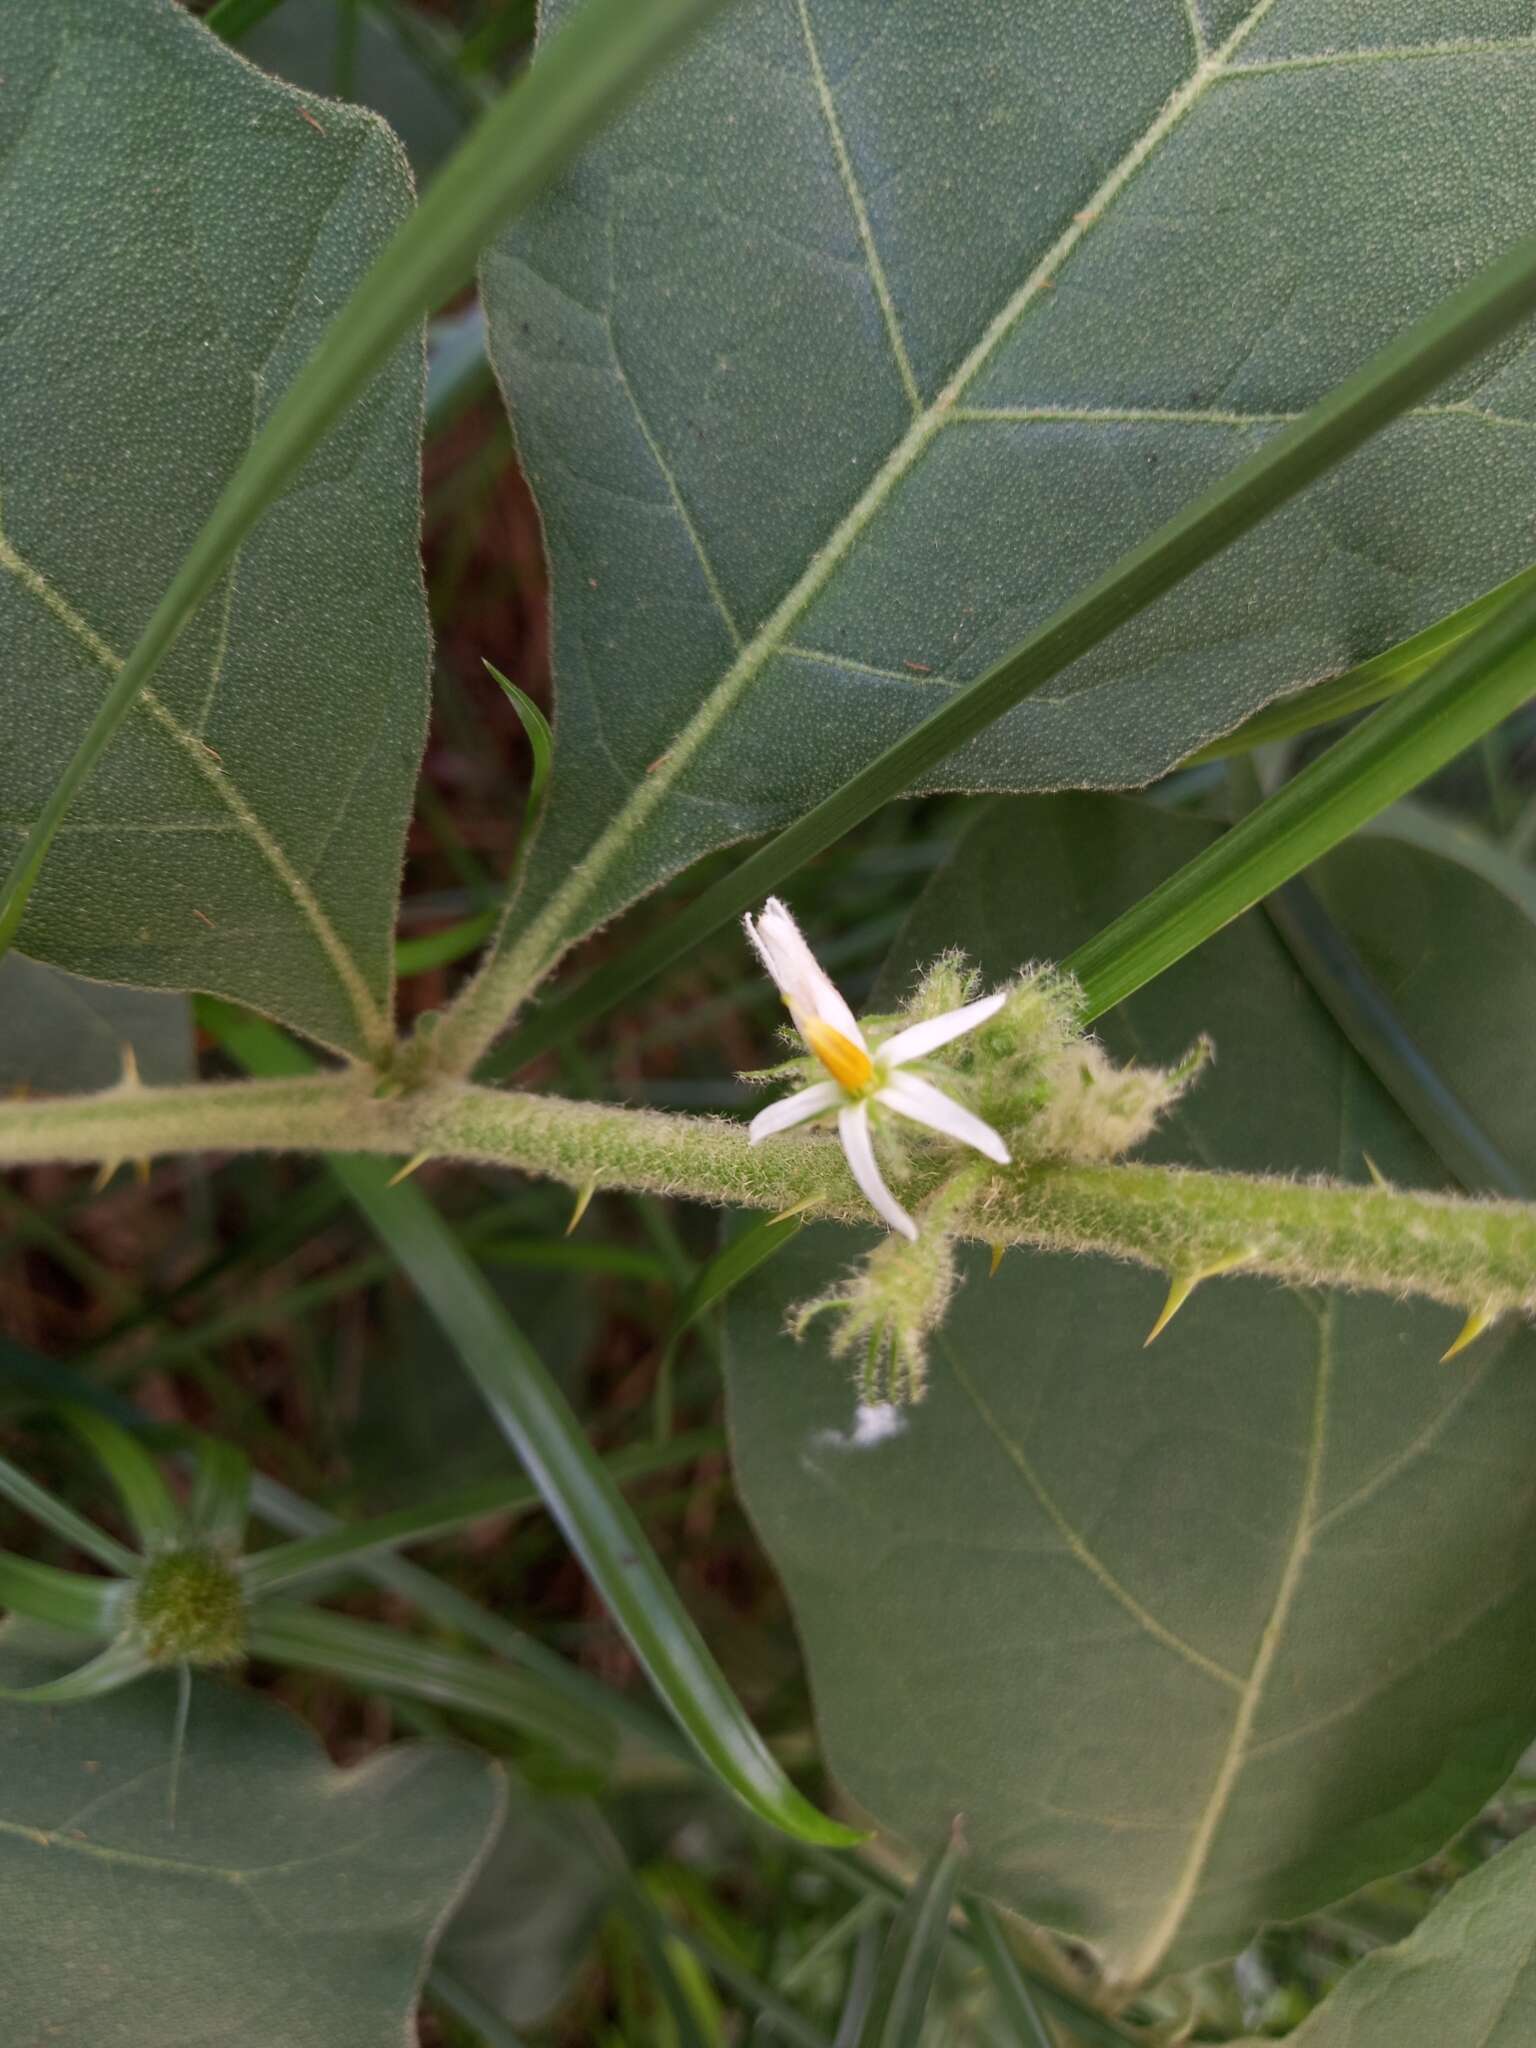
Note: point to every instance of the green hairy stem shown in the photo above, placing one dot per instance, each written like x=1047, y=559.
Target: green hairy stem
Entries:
x=1479, y=1256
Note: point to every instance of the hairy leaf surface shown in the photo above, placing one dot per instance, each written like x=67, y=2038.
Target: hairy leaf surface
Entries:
x=880, y=328
x=1195, y=1637
x=177, y=231
x=60, y=1034
x=288, y=1902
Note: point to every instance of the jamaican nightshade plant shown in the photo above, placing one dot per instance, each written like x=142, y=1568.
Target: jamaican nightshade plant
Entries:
x=989, y=409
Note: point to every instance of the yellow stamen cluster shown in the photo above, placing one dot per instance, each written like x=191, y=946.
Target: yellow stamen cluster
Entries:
x=848, y=1064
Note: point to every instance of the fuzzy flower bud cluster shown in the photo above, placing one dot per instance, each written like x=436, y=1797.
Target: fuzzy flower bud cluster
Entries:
x=1008, y=1074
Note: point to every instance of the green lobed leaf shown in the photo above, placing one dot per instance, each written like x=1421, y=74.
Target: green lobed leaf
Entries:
x=288, y=1901
x=1466, y=1978
x=61, y=1034
x=1165, y=1627
x=874, y=333
x=181, y=230
x=577, y=81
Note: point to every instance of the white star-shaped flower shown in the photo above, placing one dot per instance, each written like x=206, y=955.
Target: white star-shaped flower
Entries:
x=861, y=1076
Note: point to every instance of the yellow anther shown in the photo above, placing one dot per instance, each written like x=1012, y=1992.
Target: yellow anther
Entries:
x=849, y=1065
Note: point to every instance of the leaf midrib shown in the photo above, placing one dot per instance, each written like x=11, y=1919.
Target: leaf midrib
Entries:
x=525, y=959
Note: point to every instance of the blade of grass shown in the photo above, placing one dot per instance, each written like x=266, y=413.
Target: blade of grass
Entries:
x=653, y=1939
x=1480, y=681
x=1457, y=330
x=70, y=1528
x=118, y=1665
x=145, y=1496
x=221, y=1493
x=540, y=739
x=1416, y=824
x=441, y=949
x=286, y=1563
x=1369, y=1019
x=913, y=1951
x=860, y=1876
x=597, y=1522
x=709, y=1285
x=454, y=1611
x=25, y=1224
x=1366, y=685
x=1014, y=1996
x=549, y=1441
x=68, y=1600
x=581, y=76
x=382, y=1659
x=779, y=2017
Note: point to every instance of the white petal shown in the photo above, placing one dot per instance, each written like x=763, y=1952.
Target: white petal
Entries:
x=802, y=981
x=925, y=1104
x=933, y=1032
x=853, y=1129
x=792, y=1110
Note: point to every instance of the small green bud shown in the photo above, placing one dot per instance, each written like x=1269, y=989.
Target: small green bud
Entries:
x=190, y=1608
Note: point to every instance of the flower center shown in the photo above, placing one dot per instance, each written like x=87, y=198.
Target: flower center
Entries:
x=848, y=1064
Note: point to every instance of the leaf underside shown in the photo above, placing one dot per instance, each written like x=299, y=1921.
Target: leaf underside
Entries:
x=288, y=1901
x=880, y=328
x=177, y=232
x=1169, y=1627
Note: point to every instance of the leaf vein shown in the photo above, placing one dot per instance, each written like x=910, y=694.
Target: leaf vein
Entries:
x=1074, y=1541
x=371, y=1022
x=876, y=269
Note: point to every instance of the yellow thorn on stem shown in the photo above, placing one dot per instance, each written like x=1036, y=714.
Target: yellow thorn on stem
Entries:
x=997, y=1260
x=784, y=1215
x=583, y=1197
x=411, y=1166
x=1377, y=1176
x=104, y=1173
x=130, y=1060
x=1471, y=1330
x=1182, y=1285
x=1180, y=1289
